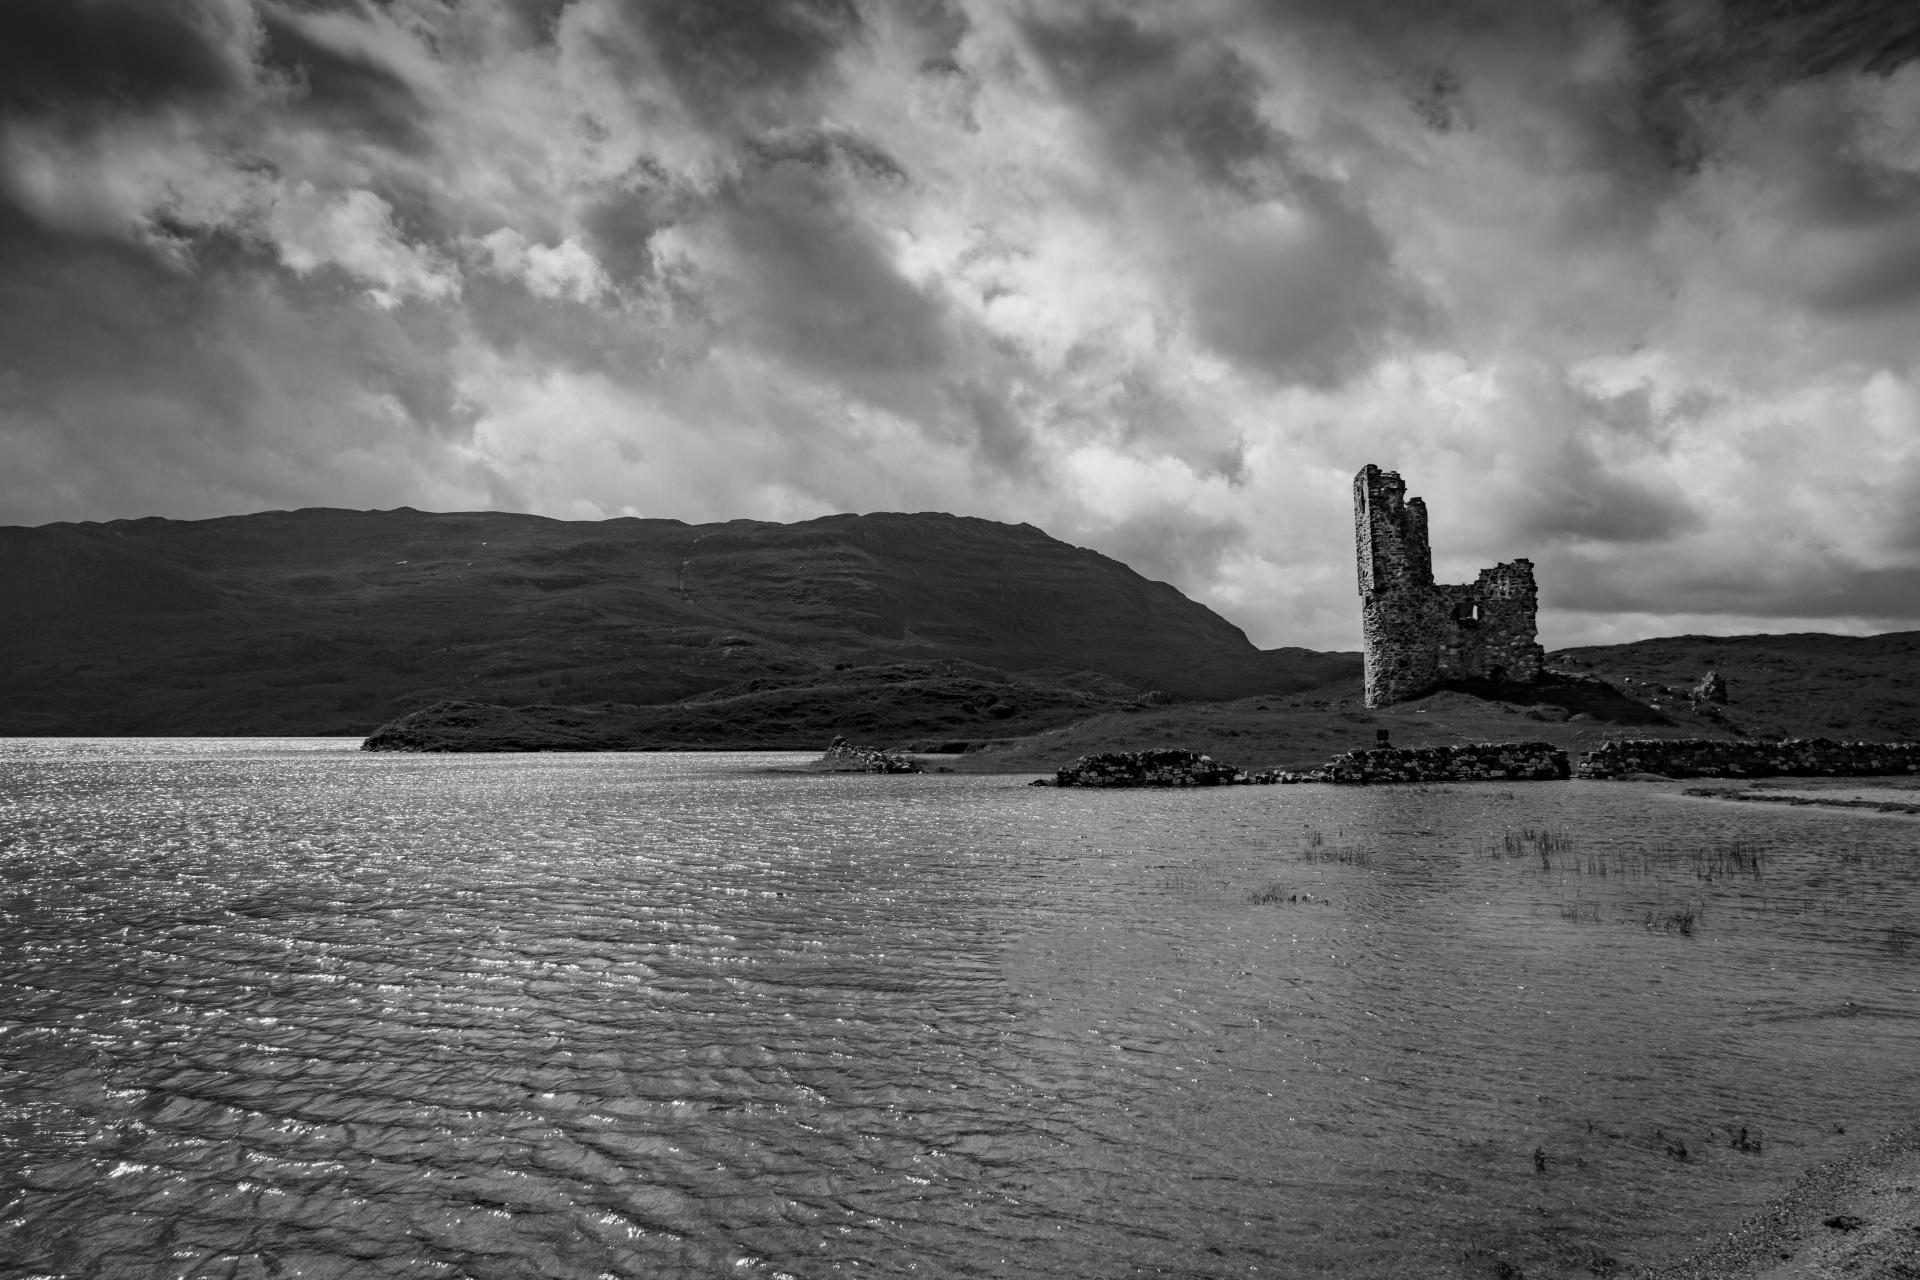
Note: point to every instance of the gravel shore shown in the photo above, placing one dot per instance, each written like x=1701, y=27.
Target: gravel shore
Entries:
x=1857, y=1217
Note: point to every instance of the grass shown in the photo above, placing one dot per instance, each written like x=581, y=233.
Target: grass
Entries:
x=1543, y=843
x=1683, y=921
x=1350, y=855
x=1728, y=860
x=1314, y=848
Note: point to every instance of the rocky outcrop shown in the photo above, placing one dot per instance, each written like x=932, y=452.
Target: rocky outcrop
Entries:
x=843, y=757
x=1711, y=758
x=1473, y=762
x=1712, y=688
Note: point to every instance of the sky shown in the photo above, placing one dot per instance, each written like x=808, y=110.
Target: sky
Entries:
x=1629, y=288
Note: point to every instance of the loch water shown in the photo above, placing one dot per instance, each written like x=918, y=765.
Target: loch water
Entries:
x=287, y=1009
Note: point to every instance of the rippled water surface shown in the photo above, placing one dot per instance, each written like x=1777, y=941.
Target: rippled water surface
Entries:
x=282, y=1008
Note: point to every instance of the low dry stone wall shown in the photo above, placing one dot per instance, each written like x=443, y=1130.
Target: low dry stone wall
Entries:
x=1712, y=758
x=1485, y=761
x=1471, y=762
x=1151, y=769
x=843, y=757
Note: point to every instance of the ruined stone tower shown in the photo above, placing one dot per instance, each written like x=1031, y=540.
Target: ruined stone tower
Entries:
x=1417, y=634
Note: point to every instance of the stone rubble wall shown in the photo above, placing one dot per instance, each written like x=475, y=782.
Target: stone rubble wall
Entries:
x=1715, y=758
x=843, y=757
x=1470, y=762
x=1485, y=761
x=1150, y=769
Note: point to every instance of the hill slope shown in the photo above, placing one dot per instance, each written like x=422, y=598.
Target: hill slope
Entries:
x=1787, y=686
x=330, y=621
x=1803, y=685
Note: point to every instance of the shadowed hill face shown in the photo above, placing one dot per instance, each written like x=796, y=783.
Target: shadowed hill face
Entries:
x=331, y=621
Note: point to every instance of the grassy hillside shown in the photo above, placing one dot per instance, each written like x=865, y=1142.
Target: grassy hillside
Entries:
x=1808, y=685
x=987, y=722
x=327, y=621
x=1805, y=685
x=1301, y=731
x=942, y=707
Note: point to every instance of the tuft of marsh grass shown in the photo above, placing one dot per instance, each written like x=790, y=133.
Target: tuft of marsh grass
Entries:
x=1727, y=860
x=1351, y=855
x=1682, y=921
x=1531, y=842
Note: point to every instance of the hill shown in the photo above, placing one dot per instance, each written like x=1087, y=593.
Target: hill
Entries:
x=946, y=707
x=325, y=621
x=1782, y=686
x=1806, y=685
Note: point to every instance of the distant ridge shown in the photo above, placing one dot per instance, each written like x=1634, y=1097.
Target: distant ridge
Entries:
x=331, y=621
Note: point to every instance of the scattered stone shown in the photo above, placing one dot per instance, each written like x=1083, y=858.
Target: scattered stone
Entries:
x=843, y=757
x=1712, y=688
x=1713, y=758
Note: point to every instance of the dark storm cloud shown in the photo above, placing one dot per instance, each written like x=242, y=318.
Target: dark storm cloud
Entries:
x=155, y=390
x=820, y=286
x=743, y=62
x=1582, y=501
x=1831, y=589
x=341, y=88
x=1739, y=47
x=620, y=224
x=1154, y=93
x=64, y=57
x=1312, y=301
x=812, y=282
x=1308, y=297
x=1854, y=243
x=1145, y=415
x=935, y=29
x=536, y=20
x=1174, y=546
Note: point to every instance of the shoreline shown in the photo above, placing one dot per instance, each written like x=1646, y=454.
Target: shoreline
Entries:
x=1892, y=807
x=1858, y=1216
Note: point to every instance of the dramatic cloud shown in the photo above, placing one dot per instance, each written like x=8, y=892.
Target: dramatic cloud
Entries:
x=1631, y=287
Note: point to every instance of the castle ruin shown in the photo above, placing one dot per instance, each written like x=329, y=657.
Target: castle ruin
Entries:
x=1417, y=634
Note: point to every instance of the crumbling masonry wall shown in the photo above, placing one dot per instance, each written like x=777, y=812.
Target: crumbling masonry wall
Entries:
x=1418, y=634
